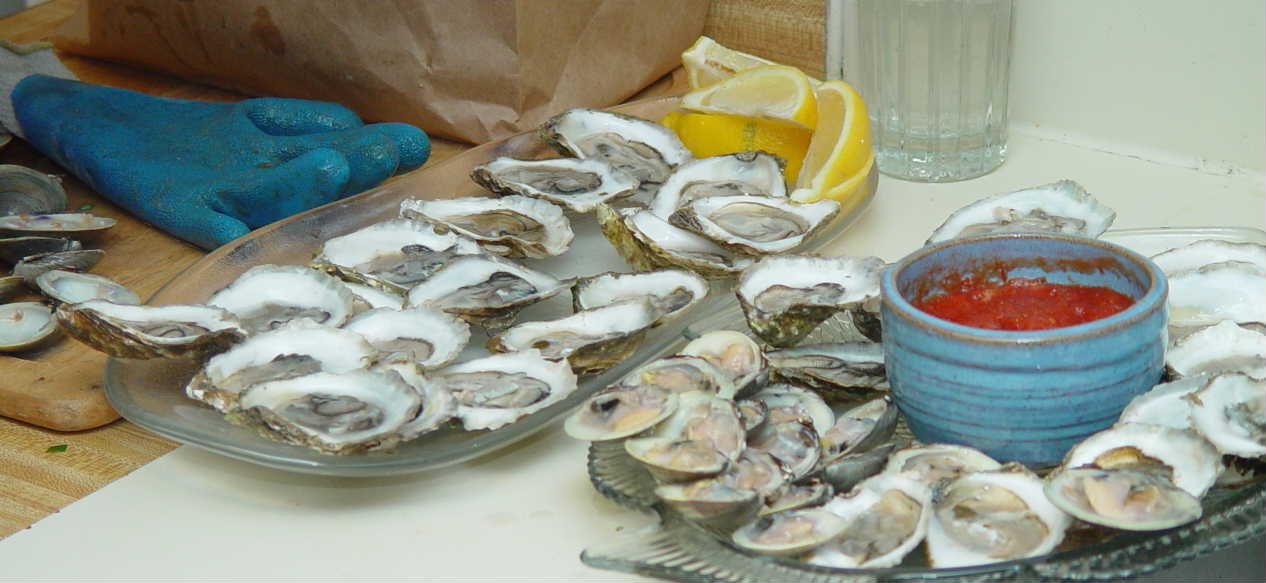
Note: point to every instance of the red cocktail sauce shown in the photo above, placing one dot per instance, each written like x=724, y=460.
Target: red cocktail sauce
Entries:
x=1021, y=304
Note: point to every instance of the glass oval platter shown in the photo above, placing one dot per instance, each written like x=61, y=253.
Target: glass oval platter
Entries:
x=151, y=393
x=680, y=550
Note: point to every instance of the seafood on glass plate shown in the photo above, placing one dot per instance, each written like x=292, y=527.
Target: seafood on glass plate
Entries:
x=821, y=471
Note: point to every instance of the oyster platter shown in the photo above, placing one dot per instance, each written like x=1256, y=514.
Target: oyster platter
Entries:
x=539, y=273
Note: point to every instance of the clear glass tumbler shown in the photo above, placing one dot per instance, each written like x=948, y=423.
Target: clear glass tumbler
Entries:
x=934, y=75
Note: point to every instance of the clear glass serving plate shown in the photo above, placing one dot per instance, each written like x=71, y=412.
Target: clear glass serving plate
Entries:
x=679, y=550
x=151, y=393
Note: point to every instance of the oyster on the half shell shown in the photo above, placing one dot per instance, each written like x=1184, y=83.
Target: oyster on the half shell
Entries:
x=642, y=149
x=509, y=226
x=266, y=297
x=649, y=242
x=138, y=331
x=500, y=389
x=755, y=225
x=575, y=183
x=745, y=173
x=392, y=255
x=485, y=289
x=1059, y=207
x=671, y=292
x=785, y=297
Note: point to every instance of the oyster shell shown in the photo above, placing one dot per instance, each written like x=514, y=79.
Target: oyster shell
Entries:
x=671, y=292
x=1230, y=412
x=137, y=331
x=744, y=173
x=294, y=350
x=642, y=149
x=1058, y=207
x=26, y=326
x=933, y=464
x=373, y=297
x=648, y=242
x=1222, y=347
x=756, y=225
x=70, y=287
x=392, y=255
x=486, y=290
x=591, y=340
x=510, y=226
x=1206, y=251
x=784, y=298
x=438, y=405
x=992, y=516
x=495, y=391
x=423, y=336
x=266, y=297
x=1125, y=499
x=336, y=413
x=1164, y=404
x=577, y=184
x=1228, y=290
x=831, y=366
x=886, y=517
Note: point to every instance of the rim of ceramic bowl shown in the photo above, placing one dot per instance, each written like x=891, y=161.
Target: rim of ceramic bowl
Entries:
x=1153, y=299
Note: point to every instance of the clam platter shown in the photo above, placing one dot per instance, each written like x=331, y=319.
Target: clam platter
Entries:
x=681, y=549
x=151, y=393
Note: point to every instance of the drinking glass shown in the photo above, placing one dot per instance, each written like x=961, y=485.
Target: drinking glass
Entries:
x=934, y=75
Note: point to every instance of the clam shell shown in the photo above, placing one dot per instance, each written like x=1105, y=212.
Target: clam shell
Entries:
x=15, y=249
x=26, y=326
x=24, y=191
x=33, y=266
x=81, y=226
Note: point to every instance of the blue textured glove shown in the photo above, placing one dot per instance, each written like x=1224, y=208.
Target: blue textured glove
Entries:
x=209, y=172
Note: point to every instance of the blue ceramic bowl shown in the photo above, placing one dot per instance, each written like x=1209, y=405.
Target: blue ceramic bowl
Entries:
x=1025, y=396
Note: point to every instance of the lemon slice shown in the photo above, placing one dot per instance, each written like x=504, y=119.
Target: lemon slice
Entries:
x=841, y=148
x=774, y=92
x=709, y=134
x=707, y=62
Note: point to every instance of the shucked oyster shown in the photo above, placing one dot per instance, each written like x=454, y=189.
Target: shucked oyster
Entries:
x=831, y=366
x=266, y=297
x=648, y=242
x=337, y=413
x=1059, y=207
x=510, y=226
x=423, y=336
x=129, y=331
x=670, y=291
x=578, y=184
x=294, y=350
x=642, y=149
x=484, y=289
x=500, y=389
x=590, y=340
x=744, y=173
x=785, y=297
x=393, y=255
x=1227, y=290
x=756, y=225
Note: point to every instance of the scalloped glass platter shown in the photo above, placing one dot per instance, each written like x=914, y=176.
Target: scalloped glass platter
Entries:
x=151, y=393
x=682, y=551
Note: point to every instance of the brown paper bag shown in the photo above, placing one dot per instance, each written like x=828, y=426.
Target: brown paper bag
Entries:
x=469, y=70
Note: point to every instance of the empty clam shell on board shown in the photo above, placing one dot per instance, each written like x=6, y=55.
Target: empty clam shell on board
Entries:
x=72, y=287
x=80, y=226
x=15, y=249
x=36, y=265
x=24, y=191
x=10, y=286
x=26, y=326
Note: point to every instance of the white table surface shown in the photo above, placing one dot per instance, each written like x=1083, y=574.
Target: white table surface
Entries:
x=527, y=512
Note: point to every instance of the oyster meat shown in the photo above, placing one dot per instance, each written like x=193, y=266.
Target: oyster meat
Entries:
x=1058, y=207
x=649, y=242
x=424, y=336
x=266, y=297
x=486, y=290
x=671, y=292
x=590, y=340
x=1222, y=347
x=498, y=390
x=1227, y=290
x=785, y=297
x=831, y=366
x=1230, y=412
x=392, y=255
x=755, y=225
x=510, y=226
x=745, y=173
x=577, y=184
x=136, y=331
x=645, y=150
x=338, y=413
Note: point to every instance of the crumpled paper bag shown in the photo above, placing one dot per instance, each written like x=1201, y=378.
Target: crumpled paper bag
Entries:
x=471, y=71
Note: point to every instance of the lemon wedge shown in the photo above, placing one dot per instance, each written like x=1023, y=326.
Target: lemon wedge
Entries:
x=773, y=92
x=708, y=134
x=707, y=62
x=840, y=150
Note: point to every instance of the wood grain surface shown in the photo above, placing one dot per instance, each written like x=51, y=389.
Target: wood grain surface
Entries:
x=60, y=387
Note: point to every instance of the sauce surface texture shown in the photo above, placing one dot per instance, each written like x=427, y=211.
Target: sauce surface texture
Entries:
x=1022, y=304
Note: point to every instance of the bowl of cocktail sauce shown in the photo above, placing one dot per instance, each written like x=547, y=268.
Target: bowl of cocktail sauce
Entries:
x=1021, y=344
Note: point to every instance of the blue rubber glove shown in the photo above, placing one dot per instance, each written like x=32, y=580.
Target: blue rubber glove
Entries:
x=210, y=172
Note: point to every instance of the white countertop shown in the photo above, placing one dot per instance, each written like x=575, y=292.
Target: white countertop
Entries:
x=526, y=512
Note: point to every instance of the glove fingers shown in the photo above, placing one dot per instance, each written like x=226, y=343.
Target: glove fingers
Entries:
x=263, y=195
x=278, y=116
x=213, y=230
x=371, y=155
x=413, y=145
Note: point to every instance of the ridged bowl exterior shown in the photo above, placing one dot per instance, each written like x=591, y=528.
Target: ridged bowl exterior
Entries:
x=1025, y=396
